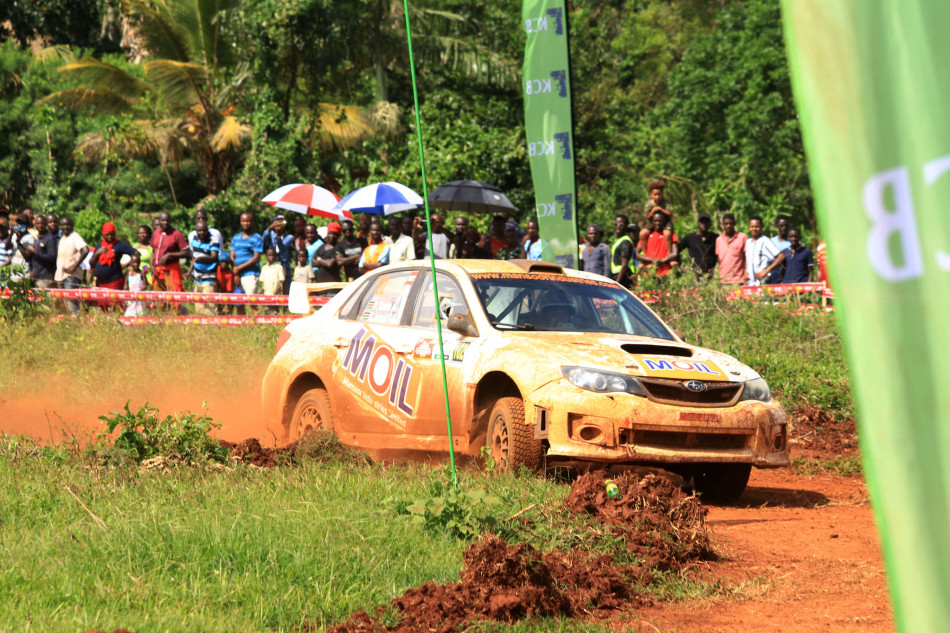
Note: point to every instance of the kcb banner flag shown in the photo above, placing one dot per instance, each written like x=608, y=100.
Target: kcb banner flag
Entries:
x=547, y=112
x=872, y=84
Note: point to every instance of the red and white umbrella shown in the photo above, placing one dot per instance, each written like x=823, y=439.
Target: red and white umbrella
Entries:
x=308, y=200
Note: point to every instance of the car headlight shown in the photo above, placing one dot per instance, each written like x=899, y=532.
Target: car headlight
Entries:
x=602, y=381
x=756, y=389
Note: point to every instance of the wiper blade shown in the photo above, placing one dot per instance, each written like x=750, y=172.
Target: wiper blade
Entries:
x=513, y=326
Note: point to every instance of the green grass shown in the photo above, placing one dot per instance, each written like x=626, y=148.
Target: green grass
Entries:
x=842, y=466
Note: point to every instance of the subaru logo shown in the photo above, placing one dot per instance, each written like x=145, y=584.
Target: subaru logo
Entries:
x=695, y=385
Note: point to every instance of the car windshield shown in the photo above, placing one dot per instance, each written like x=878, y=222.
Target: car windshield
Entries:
x=531, y=301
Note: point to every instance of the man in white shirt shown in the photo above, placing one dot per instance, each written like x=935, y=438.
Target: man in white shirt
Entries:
x=72, y=250
x=761, y=256
x=401, y=246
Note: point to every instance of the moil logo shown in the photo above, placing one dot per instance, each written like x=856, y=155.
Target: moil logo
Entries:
x=547, y=148
x=563, y=202
x=546, y=86
x=536, y=25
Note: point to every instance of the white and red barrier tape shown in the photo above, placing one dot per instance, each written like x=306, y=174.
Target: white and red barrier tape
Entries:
x=152, y=296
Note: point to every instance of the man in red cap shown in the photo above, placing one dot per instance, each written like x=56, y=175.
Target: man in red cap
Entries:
x=107, y=262
x=326, y=262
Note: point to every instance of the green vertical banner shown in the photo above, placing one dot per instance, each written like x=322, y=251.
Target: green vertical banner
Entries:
x=546, y=81
x=872, y=85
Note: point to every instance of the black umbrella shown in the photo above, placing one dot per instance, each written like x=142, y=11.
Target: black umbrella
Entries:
x=470, y=195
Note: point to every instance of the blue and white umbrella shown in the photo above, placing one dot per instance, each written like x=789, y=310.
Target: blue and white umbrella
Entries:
x=384, y=198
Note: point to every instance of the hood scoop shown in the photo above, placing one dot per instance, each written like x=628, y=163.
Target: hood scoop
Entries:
x=656, y=350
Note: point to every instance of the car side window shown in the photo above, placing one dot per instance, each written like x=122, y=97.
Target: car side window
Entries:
x=386, y=299
x=449, y=295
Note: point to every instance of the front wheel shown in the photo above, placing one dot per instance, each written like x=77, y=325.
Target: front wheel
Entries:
x=311, y=413
x=511, y=442
x=722, y=482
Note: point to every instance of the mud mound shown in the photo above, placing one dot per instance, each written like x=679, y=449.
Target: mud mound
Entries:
x=503, y=582
x=251, y=452
x=819, y=434
x=660, y=524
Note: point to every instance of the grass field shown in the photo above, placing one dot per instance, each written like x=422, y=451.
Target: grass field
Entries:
x=85, y=545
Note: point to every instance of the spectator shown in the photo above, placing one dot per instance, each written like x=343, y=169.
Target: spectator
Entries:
x=458, y=236
x=471, y=248
x=761, y=256
x=276, y=237
x=44, y=255
x=205, y=251
x=495, y=239
x=225, y=275
x=440, y=240
x=351, y=248
x=23, y=241
x=408, y=223
x=781, y=243
x=246, y=250
x=313, y=241
x=622, y=261
x=363, y=233
x=401, y=246
x=798, y=259
x=303, y=272
x=596, y=254
x=821, y=254
x=461, y=225
x=135, y=282
x=512, y=248
x=107, y=262
x=70, y=253
x=657, y=204
x=168, y=247
x=701, y=246
x=326, y=262
x=144, y=247
x=533, y=246
x=730, y=249
x=300, y=233
x=272, y=277
x=52, y=225
x=376, y=254
x=656, y=251
x=31, y=227
x=6, y=245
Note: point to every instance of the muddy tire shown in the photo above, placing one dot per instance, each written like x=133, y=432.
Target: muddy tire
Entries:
x=722, y=482
x=311, y=413
x=511, y=442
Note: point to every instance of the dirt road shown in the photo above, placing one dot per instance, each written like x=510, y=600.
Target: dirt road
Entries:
x=803, y=555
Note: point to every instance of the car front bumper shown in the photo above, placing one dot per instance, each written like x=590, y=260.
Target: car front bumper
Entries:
x=620, y=427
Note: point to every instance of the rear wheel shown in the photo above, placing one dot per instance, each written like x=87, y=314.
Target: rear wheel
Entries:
x=511, y=442
x=722, y=482
x=311, y=413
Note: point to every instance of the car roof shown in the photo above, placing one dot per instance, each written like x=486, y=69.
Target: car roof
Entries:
x=519, y=266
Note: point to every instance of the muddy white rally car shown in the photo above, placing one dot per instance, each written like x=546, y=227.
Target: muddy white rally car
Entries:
x=545, y=366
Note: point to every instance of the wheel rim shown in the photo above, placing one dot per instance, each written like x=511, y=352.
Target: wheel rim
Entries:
x=309, y=420
x=499, y=440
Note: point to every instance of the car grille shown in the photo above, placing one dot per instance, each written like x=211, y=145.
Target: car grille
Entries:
x=685, y=439
x=666, y=391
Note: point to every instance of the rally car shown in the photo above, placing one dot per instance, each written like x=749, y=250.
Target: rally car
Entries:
x=545, y=366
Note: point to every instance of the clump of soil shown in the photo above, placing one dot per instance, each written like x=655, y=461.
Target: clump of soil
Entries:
x=659, y=523
x=817, y=433
x=506, y=582
x=322, y=446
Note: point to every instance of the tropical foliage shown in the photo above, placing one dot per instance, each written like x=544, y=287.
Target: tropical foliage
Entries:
x=165, y=104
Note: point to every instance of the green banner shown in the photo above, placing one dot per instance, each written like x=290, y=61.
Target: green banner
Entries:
x=872, y=88
x=547, y=113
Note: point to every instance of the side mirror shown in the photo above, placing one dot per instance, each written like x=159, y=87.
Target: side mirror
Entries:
x=298, y=299
x=680, y=335
x=461, y=322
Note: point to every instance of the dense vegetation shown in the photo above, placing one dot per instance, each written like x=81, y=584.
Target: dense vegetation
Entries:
x=120, y=110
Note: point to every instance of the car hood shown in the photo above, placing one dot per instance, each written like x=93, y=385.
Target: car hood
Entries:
x=635, y=356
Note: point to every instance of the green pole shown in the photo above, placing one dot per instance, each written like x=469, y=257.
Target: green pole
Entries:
x=435, y=286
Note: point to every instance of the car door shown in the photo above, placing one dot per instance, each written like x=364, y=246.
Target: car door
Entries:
x=430, y=411
x=372, y=368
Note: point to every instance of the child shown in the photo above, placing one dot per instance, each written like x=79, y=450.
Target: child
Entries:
x=144, y=236
x=135, y=281
x=272, y=277
x=303, y=272
x=225, y=278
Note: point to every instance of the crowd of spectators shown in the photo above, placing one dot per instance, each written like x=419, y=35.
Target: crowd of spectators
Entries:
x=49, y=252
